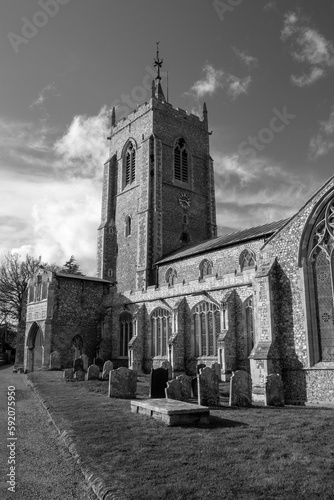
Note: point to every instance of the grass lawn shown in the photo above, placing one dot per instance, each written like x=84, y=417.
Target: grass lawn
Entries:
x=245, y=453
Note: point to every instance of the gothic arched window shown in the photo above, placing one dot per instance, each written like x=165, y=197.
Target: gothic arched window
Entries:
x=125, y=334
x=205, y=268
x=181, y=161
x=247, y=259
x=129, y=165
x=321, y=283
x=161, y=328
x=206, y=318
x=171, y=275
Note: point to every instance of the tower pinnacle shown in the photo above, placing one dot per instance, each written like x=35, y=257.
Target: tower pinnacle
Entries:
x=158, y=92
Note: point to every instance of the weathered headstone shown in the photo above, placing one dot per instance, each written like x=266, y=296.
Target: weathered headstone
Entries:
x=217, y=369
x=107, y=367
x=194, y=387
x=78, y=365
x=208, y=387
x=158, y=383
x=79, y=375
x=167, y=366
x=137, y=367
x=240, y=389
x=274, y=390
x=185, y=383
x=122, y=383
x=200, y=367
x=99, y=362
x=93, y=372
x=55, y=361
x=84, y=358
x=173, y=389
x=68, y=374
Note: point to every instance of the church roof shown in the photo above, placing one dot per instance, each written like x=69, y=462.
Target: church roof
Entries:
x=225, y=240
x=81, y=277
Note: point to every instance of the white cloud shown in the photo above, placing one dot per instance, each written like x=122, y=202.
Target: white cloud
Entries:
x=271, y=5
x=254, y=192
x=215, y=79
x=246, y=58
x=323, y=141
x=51, y=196
x=309, y=47
x=51, y=88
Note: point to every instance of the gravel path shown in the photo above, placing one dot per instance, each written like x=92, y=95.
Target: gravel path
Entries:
x=44, y=468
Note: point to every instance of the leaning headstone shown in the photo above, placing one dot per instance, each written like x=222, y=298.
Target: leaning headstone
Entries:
x=185, y=383
x=99, y=362
x=158, y=383
x=93, y=372
x=68, y=374
x=84, y=358
x=208, y=387
x=240, y=389
x=167, y=366
x=78, y=365
x=55, y=362
x=200, y=367
x=274, y=390
x=107, y=367
x=79, y=375
x=194, y=387
x=122, y=383
x=217, y=369
x=173, y=390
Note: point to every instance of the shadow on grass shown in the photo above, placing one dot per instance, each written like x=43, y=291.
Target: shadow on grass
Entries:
x=216, y=422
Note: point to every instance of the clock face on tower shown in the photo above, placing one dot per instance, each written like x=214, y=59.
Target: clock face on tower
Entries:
x=184, y=200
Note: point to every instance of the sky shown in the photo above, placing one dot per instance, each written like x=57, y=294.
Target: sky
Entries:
x=265, y=69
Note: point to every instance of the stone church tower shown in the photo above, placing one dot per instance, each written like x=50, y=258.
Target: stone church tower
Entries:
x=158, y=190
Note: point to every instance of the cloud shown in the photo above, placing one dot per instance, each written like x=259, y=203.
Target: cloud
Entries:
x=323, y=141
x=51, y=88
x=309, y=47
x=254, y=192
x=51, y=196
x=215, y=79
x=246, y=58
x=271, y=5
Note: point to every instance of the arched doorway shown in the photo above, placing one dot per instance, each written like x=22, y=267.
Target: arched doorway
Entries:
x=35, y=343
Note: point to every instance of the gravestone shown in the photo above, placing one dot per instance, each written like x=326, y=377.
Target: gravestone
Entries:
x=167, y=366
x=55, y=362
x=200, y=367
x=68, y=374
x=122, y=383
x=194, y=387
x=137, y=367
x=93, y=372
x=99, y=362
x=84, y=358
x=173, y=389
x=78, y=365
x=79, y=375
x=107, y=367
x=185, y=383
x=240, y=389
x=208, y=387
x=274, y=390
x=158, y=383
x=217, y=369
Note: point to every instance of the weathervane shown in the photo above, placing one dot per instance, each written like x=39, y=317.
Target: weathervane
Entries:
x=158, y=62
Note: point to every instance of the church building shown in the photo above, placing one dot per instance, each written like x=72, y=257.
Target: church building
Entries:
x=169, y=288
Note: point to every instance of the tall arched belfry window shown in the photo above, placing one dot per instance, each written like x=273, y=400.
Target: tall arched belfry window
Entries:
x=129, y=164
x=181, y=161
x=321, y=285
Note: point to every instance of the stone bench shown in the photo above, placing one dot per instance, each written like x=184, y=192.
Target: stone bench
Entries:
x=172, y=412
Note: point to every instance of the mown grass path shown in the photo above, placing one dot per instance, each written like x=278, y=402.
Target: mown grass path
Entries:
x=252, y=453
